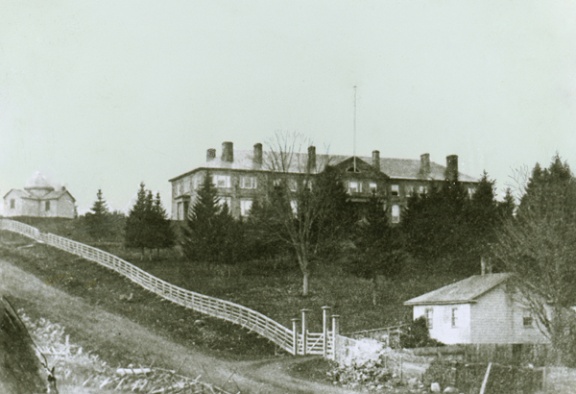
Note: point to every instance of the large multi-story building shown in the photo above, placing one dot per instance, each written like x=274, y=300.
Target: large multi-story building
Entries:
x=241, y=176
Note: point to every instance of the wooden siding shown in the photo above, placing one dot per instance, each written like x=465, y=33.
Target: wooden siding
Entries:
x=442, y=329
x=497, y=318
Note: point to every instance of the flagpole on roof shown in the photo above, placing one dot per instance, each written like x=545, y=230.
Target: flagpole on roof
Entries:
x=354, y=128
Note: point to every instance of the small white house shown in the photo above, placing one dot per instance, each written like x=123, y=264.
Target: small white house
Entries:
x=480, y=309
x=39, y=199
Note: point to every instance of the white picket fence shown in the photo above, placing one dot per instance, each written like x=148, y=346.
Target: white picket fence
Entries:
x=290, y=340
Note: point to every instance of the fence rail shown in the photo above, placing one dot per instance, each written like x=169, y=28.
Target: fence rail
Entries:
x=328, y=343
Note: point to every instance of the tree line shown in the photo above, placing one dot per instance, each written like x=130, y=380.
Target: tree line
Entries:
x=446, y=229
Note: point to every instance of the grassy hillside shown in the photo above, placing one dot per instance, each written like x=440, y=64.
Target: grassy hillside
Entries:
x=270, y=287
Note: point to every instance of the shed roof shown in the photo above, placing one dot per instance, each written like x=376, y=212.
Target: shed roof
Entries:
x=462, y=292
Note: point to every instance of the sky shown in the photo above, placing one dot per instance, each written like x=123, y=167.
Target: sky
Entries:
x=107, y=94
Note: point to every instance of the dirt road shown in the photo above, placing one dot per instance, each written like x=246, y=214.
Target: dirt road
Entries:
x=113, y=331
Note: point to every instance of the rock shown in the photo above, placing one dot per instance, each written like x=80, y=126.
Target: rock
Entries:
x=450, y=389
x=435, y=387
x=199, y=322
x=413, y=383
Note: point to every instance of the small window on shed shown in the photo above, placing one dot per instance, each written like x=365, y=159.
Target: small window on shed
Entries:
x=47, y=206
x=12, y=203
x=454, y=317
x=428, y=314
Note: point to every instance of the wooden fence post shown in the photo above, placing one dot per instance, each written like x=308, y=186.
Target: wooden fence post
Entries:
x=335, y=333
x=325, y=310
x=304, y=331
x=295, y=336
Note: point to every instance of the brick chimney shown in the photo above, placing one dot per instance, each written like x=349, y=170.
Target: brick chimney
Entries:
x=376, y=159
x=452, y=168
x=210, y=154
x=227, y=151
x=257, y=159
x=311, y=159
x=425, y=164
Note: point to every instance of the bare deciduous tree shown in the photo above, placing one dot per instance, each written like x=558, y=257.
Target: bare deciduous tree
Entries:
x=299, y=204
x=539, y=247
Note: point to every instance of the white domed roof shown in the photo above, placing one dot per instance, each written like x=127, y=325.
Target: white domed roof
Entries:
x=38, y=181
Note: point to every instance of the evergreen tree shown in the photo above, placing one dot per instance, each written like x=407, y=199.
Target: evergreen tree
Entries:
x=378, y=248
x=483, y=221
x=137, y=232
x=210, y=229
x=507, y=206
x=98, y=220
x=147, y=225
x=163, y=234
x=335, y=213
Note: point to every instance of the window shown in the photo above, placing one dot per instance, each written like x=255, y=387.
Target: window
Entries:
x=428, y=314
x=245, y=207
x=395, y=190
x=395, y=213
x=409, y=190
x=422, y=190
x=12, y=203
x=47, y=206
x=373, y=187
x=471, y=191
x=222, y=181
x=225, y=201
x=294, y=206
x=292, y=185
x=454, y=317
x=354, y=187
x=248, y=182
x=527, y=319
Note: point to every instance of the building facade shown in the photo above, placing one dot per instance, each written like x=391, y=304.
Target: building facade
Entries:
x=481, y=309
x=241, y=176
x=40, y=199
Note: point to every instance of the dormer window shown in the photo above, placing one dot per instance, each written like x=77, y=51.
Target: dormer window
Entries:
x=354, y=187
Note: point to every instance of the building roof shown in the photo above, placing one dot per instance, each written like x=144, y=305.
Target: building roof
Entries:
x=392, y=167
x=38, y=181
x=462, y=292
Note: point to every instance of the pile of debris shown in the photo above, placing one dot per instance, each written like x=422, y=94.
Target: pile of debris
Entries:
x=76, y=368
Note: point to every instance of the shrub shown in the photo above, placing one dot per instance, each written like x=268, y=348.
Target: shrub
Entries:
x=417, y=335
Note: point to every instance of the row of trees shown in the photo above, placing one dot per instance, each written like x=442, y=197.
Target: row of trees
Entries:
x=147, y=225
